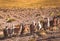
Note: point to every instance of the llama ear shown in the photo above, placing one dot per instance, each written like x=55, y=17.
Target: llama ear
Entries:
x=13, y=26
x=38, y=22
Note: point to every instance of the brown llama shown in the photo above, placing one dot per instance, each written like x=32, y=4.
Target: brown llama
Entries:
x=33, y=27
x=17, y=29
x=7, y=32
x=26, y=29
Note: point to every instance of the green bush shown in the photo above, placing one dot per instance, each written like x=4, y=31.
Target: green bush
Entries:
x=10, y=19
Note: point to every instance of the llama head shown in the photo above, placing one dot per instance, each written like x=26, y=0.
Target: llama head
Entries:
x=6, y=27
x=38, y=22
x=13, y=26
x=33, y=22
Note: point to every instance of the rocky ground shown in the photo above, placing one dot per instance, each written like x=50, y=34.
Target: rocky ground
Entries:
x=27, y=15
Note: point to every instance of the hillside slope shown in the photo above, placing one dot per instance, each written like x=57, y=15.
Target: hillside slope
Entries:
x=25, y=15
x=29, y=3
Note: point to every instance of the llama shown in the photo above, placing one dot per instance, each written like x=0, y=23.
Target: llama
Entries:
x=48, y=24
x=21, y=27
x=58, y=22
x=10, y=32
x=26, y=29
x=13, y=28
x=16, y=29
x=5, y=32
x=32, y=27
x=39, y=25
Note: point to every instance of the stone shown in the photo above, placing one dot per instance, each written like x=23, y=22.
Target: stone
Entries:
x=55, y=28
x=1, y=34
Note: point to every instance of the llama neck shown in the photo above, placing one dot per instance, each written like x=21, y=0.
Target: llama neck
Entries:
x=20, y=30
x=39, y=25
x=48, y=23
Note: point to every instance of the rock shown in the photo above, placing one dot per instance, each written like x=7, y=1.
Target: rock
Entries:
x=1, y=34
x=55, y=28
x=42, y=32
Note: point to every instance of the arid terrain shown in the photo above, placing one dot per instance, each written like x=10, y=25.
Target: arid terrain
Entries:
x=27, y=15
